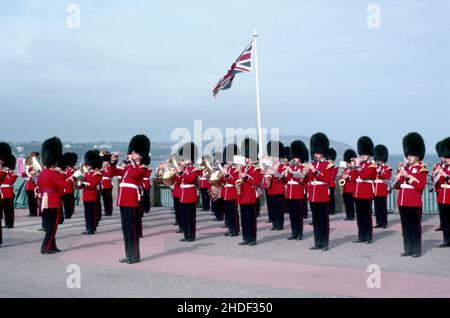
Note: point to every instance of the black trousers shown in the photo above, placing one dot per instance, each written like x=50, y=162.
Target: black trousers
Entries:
x=177, y=207
x=50, y=219
x=295, y=209
x=349, y=203
x=129, y=217
x=90, y=216
x=258, y=206
x=1, y=227
x=107, y=201
x=440, y=212
x=140, y=215
x=445, y=211
x=8, y=212
x=305, y=209
x=205, y=199
x=278, y=211
x=248, y=221
x=321, y=223
x=269, y=206
x=98, y=210
x=381, y=214
x=145, y=200
x=218, y=209
x=32, y=202
x=332, y=204
x=364, y=219
x=69, y=205
x=411, y=218
x=232, y=215
x=188, y=217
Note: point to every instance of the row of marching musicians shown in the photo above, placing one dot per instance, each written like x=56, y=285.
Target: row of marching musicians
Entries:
x=291, y=182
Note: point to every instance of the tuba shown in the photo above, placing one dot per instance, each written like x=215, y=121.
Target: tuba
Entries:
x=32, y=162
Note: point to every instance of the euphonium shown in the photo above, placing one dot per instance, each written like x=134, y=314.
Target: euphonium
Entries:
x=32, y=162
x=170, y=171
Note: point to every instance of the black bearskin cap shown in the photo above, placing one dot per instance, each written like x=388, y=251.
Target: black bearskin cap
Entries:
x=413, y=145
x=188, y=151
x=92, y=158
x=277, y=147
x=51, y=151
x=439, y=148
x=5, y=151
x=349, y=154
x=445, y=148
x=299, y=150
x=331, y=154
x=249, y=149
x=139, y=144
x=70, y=158
x=146, y=160
x=319, y=143
x=365, y=146
x=10, y=162
x=287, y=153
x=381, y=153
x=229, y=151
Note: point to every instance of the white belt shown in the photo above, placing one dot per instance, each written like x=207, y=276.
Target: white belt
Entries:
x=318, y=183
x=445, y=186
x=128, y=185
x=203, y=178
x=380, y=181
x=406, y=186
x=293, y=182
x=106, y=178
x=5, y=186
x=228, y=185
x=146, y=179
x=187, y=186
x=365, y=181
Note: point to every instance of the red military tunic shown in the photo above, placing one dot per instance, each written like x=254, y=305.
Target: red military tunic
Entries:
x=132, y=176
x=29, y=182
x=91, y=180
x=188, y=179
x=275, y=185
x=7, y=189
x=107, y=174
x=364, y=188
x=204, y=182
x=319, y=182
x=444, y=185
x=146, y=184
x=334, y=173
x=295, y=185
x=350, y=180
x=51, y=184
x=228, y=182
x=69, y=180
x=249, y=184
x=384, y=173
x=410, y=193
x=437, y=186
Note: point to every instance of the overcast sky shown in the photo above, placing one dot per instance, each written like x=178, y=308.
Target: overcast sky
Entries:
x=149, y=66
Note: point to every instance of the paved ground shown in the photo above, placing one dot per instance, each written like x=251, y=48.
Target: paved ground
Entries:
x=215, y=266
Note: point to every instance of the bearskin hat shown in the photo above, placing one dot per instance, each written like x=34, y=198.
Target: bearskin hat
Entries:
x=275, y=149
x=92, y=158
x=249, y=149
x=299, y=150
x=70, y=158
x=349, y=154
x=319, y=143
x=139, y=144
x=439, y=148
x=413, y=145
x=380, y=153
x=331, y=154
x=189, y=151
x=10, y=162
x=229, y=151
x=445, y=148
x=5, y=151
x=51, y=151
x=287, y=153
x=146, y=160
x=365, y=146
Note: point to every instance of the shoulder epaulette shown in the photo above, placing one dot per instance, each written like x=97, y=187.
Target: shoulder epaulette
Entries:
x=330, y=165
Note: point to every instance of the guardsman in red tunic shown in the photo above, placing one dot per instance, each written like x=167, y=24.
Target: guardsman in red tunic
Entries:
x=176, y=195
x=364, y=190
x=30, y=175
x=319, y=179
x=5, y=153
x=129, y=197
x=274, y=186
x=347, y=183
x=442, y=179
x=7, y=190
x=108, y=173
x=330, y=156
x=188, y=199
x=411, y=180
x=384, y=172
x=93, y=177
x=146, y=186
x=295, y=179
x=437, y=187
x=51, y=183
x=217, y=203
x=70, y=159
x=204, y=187
x=250, y=178
x=228, y=190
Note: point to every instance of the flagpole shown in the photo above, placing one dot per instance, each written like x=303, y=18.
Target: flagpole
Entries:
x=258, y=108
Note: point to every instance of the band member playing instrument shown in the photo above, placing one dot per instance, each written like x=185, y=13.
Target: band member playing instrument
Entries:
x=274, y=185
x=109, y=170
x=250, y=177
x=295, y=179
x=7, y=190
x=384, y=172
x=442, y=179
x=330, y=156
x=129, y=197
x=204, y=187
x=286, y=161
x=70, y=159
x=5, y=153
x=319, y=177
x=217, y=202
x=146, y=186
x=363, y=195
x=93, y=177
x=188, y=199
x=30, y=175
x=411, y=180
x=437, y=187
x=347, y=184
x=228, y=191
x=51, y=183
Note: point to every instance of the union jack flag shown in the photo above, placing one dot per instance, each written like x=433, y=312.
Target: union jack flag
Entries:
x=242, y=64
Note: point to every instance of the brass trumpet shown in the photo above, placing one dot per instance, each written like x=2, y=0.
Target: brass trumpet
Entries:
x=342, y=183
